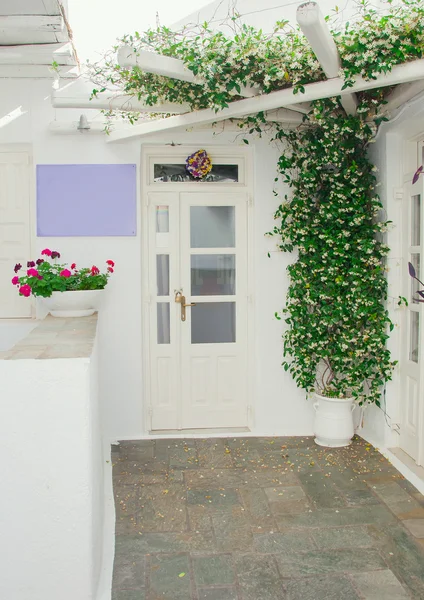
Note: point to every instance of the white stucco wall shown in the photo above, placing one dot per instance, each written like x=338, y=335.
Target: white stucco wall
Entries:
x=279, y=407
x=52, y=498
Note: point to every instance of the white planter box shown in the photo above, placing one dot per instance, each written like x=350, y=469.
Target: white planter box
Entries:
x=80, y=303
x=333, y=426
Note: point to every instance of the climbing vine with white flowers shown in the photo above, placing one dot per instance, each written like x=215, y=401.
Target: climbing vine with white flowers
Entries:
x=336, y=316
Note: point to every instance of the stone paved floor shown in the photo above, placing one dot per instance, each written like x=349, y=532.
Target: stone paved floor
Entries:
x=264, y=519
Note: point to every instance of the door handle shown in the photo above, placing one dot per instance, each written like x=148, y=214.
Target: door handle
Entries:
x=182, y=300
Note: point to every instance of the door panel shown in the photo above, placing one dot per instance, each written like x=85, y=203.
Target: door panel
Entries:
x=14, y=230
x=198, y=247
x=412, y=335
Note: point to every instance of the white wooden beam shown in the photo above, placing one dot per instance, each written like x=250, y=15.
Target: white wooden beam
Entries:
x=411, y=71
x=174, y=68
x=402, y=94
x=71, y=127
x=37, y=72
x=284, y=115
x=113, y=101
x=37, y=54
x=32, y=23
x=316, y=31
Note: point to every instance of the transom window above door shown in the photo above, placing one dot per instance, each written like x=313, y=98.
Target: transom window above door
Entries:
x=226, y=171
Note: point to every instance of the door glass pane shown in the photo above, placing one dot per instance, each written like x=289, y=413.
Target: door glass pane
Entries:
x=213, y=323
x=415, y=286
x=414, y=336
x=162, y=219
x=163, y=323
x=213, y=274
x=172, y=172
x=416, y=220
x=212, y=227
x=162, y=274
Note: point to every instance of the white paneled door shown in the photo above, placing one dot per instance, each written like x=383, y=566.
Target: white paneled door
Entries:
x=198, y=309
x=14, y=229
x=412, y=346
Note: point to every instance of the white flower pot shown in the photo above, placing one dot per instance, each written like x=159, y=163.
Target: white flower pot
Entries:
x=79, y=303
x=333, y=425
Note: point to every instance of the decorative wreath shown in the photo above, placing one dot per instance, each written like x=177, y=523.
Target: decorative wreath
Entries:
x=199, y=164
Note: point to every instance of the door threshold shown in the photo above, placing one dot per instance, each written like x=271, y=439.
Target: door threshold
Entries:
x=407, y=466
x=213, y=432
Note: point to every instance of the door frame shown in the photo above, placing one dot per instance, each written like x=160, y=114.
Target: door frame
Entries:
x=172, y=152
x=28, y=148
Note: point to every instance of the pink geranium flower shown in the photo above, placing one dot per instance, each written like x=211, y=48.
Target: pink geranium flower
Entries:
x=32, y=273
x=73, y=266
x=110, y=269
x=46, y=252
x=25, y=290
x=15, y=280
x=110, y=263
x=94, y=270
x=65, y=273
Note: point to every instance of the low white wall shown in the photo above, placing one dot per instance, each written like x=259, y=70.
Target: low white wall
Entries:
x=52, y=497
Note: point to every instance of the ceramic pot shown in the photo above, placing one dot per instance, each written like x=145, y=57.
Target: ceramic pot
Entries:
x=333, y=426
x=79, y=303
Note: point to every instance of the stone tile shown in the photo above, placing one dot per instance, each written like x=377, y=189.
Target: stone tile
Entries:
x=301, y=460
x=415, y=526
x=274, y=543
x=287, y=499
x=136, y=451
x=321, y=588
x=322, y=490
x=129, y=571
x=201, y=479
x=184, y=458
x=394, y=496
x=266, y=477
x=221, y=593
x=162, y=509
x=169, y=577
x=258, y=577
x=255, y=502
x=213, y=498
x=214, y=453
x=380, y=585
x=129, y=595
x=402, y=554
x=342, y=537
x=213, y=570
x=199, y=518
x=233, y=531
x=332, y=561
x=337, y=517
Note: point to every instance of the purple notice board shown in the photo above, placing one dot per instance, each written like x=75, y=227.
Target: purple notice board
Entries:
x=86, y=200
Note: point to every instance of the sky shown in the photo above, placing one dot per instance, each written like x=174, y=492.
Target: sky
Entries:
x=97, y=23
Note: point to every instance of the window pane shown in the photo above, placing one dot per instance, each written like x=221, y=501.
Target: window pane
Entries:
x=163, y=173
x=162, y=274
x=164, y=323
x=212, y=227
x=213, y=323
x=416, y=220
x=213, y=274
x=413, y=336
x=415, y=286
x=162, y=219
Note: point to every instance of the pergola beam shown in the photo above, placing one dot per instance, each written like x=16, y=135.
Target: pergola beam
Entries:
x=37, y=54
x=407, y=72
x=167, y=66
x=316, y=31
x=31, y=23
x=114, y=101
x=284, y=115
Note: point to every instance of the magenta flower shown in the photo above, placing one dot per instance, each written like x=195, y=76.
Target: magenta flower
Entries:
x=55, y=254
x=17, y=267
x=30, y=263
x=46, y=252
x=32, y=273
x=39, y=261
x=25, y=290
x=417, y=174
x=15, y=280
x=65, y=273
